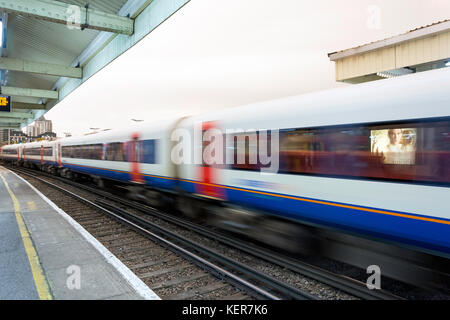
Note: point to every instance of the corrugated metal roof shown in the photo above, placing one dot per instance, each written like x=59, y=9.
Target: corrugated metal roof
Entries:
x=108, y=6
x=400, y=36
x=42, y=41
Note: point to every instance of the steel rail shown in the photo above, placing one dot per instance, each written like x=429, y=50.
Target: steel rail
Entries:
x=343, y=283
x=143, y=225
x=340, y=282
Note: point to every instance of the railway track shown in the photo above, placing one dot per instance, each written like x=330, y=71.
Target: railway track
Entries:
x=113, y=205
x=173, y=266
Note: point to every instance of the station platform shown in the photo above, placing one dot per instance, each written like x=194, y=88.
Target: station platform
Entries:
x=45, y=254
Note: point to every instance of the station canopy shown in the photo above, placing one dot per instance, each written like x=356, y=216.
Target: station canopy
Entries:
x=417, y=50
x=49, y=48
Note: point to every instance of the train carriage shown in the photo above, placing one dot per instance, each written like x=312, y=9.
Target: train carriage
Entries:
x=42, y=154
x=10, y=153
x=365, y=166
x=350, y=159
x=140, y=156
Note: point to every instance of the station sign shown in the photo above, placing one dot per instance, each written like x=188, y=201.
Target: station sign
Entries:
x=5, y=104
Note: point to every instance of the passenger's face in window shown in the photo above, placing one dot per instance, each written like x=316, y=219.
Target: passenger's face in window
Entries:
x=395, y=136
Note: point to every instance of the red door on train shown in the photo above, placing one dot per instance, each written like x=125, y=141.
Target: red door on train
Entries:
x=58, y=154
x=208, y=173
x=134, y=156
x=42, y=154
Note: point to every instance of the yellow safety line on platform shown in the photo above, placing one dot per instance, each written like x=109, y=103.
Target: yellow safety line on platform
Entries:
x=38, y=274
x=31, y=206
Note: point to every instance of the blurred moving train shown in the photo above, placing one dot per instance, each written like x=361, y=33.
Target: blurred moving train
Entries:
x=365, y=166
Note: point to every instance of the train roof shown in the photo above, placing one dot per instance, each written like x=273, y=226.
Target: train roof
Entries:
x=415, y=96
x=10, y=146
x=122, y=134
x=35, y=144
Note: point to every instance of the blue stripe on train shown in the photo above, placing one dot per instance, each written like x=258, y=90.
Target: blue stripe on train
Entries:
x=122, y=176
x=39, y=162
x=426, y=234
x=419, y=233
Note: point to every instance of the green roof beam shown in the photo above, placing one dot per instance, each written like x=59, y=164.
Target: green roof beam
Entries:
x=40, y=68
x=27, y=106
x=13, y=127
x=20, y=115
x=25, y=92
x=10, y=121
x=71, y=15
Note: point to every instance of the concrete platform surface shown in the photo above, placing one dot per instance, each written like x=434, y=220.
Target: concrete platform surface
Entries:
x=45, y=254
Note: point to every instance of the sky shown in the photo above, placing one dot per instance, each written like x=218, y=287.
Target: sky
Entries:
x=215, y=54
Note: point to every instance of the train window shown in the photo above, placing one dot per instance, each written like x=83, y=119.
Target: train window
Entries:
x=97, y=151
x=115, y=151
x=142, y=151
x=66, y=152
x=244, y=150
x=90, y=152
x=417, y=151
x=48, y=152
x=32, y=151
x=148, y=151
x=10, y=151
x=39, y=151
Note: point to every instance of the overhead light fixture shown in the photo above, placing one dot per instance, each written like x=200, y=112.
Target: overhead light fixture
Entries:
x=395, y=73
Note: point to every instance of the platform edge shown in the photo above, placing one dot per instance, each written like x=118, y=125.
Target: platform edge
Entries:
x=137, y=284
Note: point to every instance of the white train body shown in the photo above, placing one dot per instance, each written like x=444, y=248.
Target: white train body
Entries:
x=39, y=153
x=384, y=208
x=119, y=150
x=331, y=172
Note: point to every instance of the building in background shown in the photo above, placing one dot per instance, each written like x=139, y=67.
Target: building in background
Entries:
x=4, y=136
x=17, y=136
x=42, y=129
x=39, y=127
x=47, y=136
x=30, y=131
